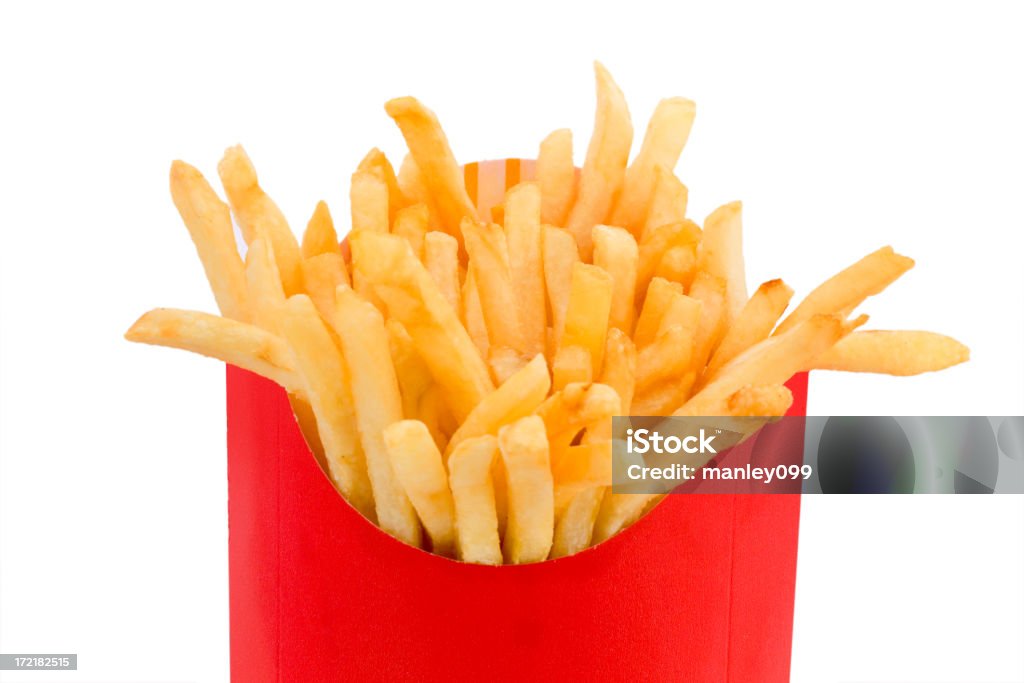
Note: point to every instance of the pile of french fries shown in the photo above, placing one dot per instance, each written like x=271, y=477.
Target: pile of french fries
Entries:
x=458, y=376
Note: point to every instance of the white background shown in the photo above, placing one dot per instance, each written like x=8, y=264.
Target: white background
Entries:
x=842, y=129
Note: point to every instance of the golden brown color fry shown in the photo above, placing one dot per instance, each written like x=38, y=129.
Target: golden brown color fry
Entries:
x=265, y=294
x=531, y=508
x=439, y=172
x=259, y=216
x=572, y=365
x=329, y=391
x=710, y=291
x=413, y=299
x=556, y=176
x=586, y=316
x=441, y=258
x=616, y=252
x=753, y=324
x=377, y=163
x=668, y=202
x=660, y=295
x=368, y=198
x=575, y=526
x=246, y=346
x=418, y=467
x=605, y=166
x=578, y=406
x=472, y=486
x=321, y=275
x=666, y=135
x=843, y=292
x=893, y=352
x=413, y=375
x=754, y=401
x=489, y=263
x=721, y=255
x=656, y=243
x=560, y=255
x=320, y=236
x=209, y=223
x=523, y=238
x=378, y=404
x=412, y=223
x=473, y=315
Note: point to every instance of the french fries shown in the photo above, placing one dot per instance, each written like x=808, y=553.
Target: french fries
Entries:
x=457, y=377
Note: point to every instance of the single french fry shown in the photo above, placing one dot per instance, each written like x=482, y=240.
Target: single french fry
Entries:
x=710, y=291
x=418, y=467
x=567, y=412
x=669, y=356
x=472, y=486
x=605, y=166
x=660, y=296
x=413, y=375
x=664, y=397
x=503, y=363
x=678, y=264
x=619, y=510
x=208, y=220
x=321, y=275
x=657, y=243
x=753, y=324
x=556, y=176
x=377, y=163
x=773, y=361
x=843, y=292
x=560, y=255
x=329, y=391
x=668, y=202
x=440, y=174
x=530, y=528
x=473, y=315
x=586, y=317
x=265, y=293
x=259, y=216
x=368, y=197
x=441, y=258
x=617, y=253
x=378, y=404
x=619, y=369
x=523, y=236
x=489, y=263
x=760, y=400
x=575, y=526
x=666, y=135
x=320, y=236
x=572, y=365
x=232, y=341
x=518, y=397
x=413, y=299
x=721, y=255
x=893, y=352
x=412, y=223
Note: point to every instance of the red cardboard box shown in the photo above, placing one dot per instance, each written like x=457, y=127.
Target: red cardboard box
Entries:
x=700, y=589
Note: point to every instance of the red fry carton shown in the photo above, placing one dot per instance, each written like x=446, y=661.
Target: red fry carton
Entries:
x=700, y=589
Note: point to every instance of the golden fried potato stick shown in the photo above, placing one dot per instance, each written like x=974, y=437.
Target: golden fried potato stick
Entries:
x=472, y=487
x=531, y=508
x=440, y=174
x=669, y=356
x=668, y=202
x=413, y=375
x=326, y=381
x=582, y=466
x=567, y=412
x=616, y=252
x=678, y=264
x=660, y=295
x=556, y=176
x=753, y=324
x=259, y=216
x=572, y=365
x=413, y=224
x=413, y=299
x=234, y=342
x=710, y=290
x=843, y=292
x=441, y=259
x=433, y=412
x=893, y=352
x=721, y=255
x=473, y=315
x=760, y=400
x=265, y=293
x=657, y=243
x=378, y=404
x=377, y=163
x=619, y=369
x=208, y=220
x=321, y=275
x=619, y=510
x=320, y=236
x=518, y=397
x=586, y=316
x=523, y=236
x=575, y=525
x=773, y=361
x=489, y=263
x=418, y=467
x=368, y=199
x=605, y=166
x=664, y=397
x=666, y=135
x=560, y=254
x=503, y=363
